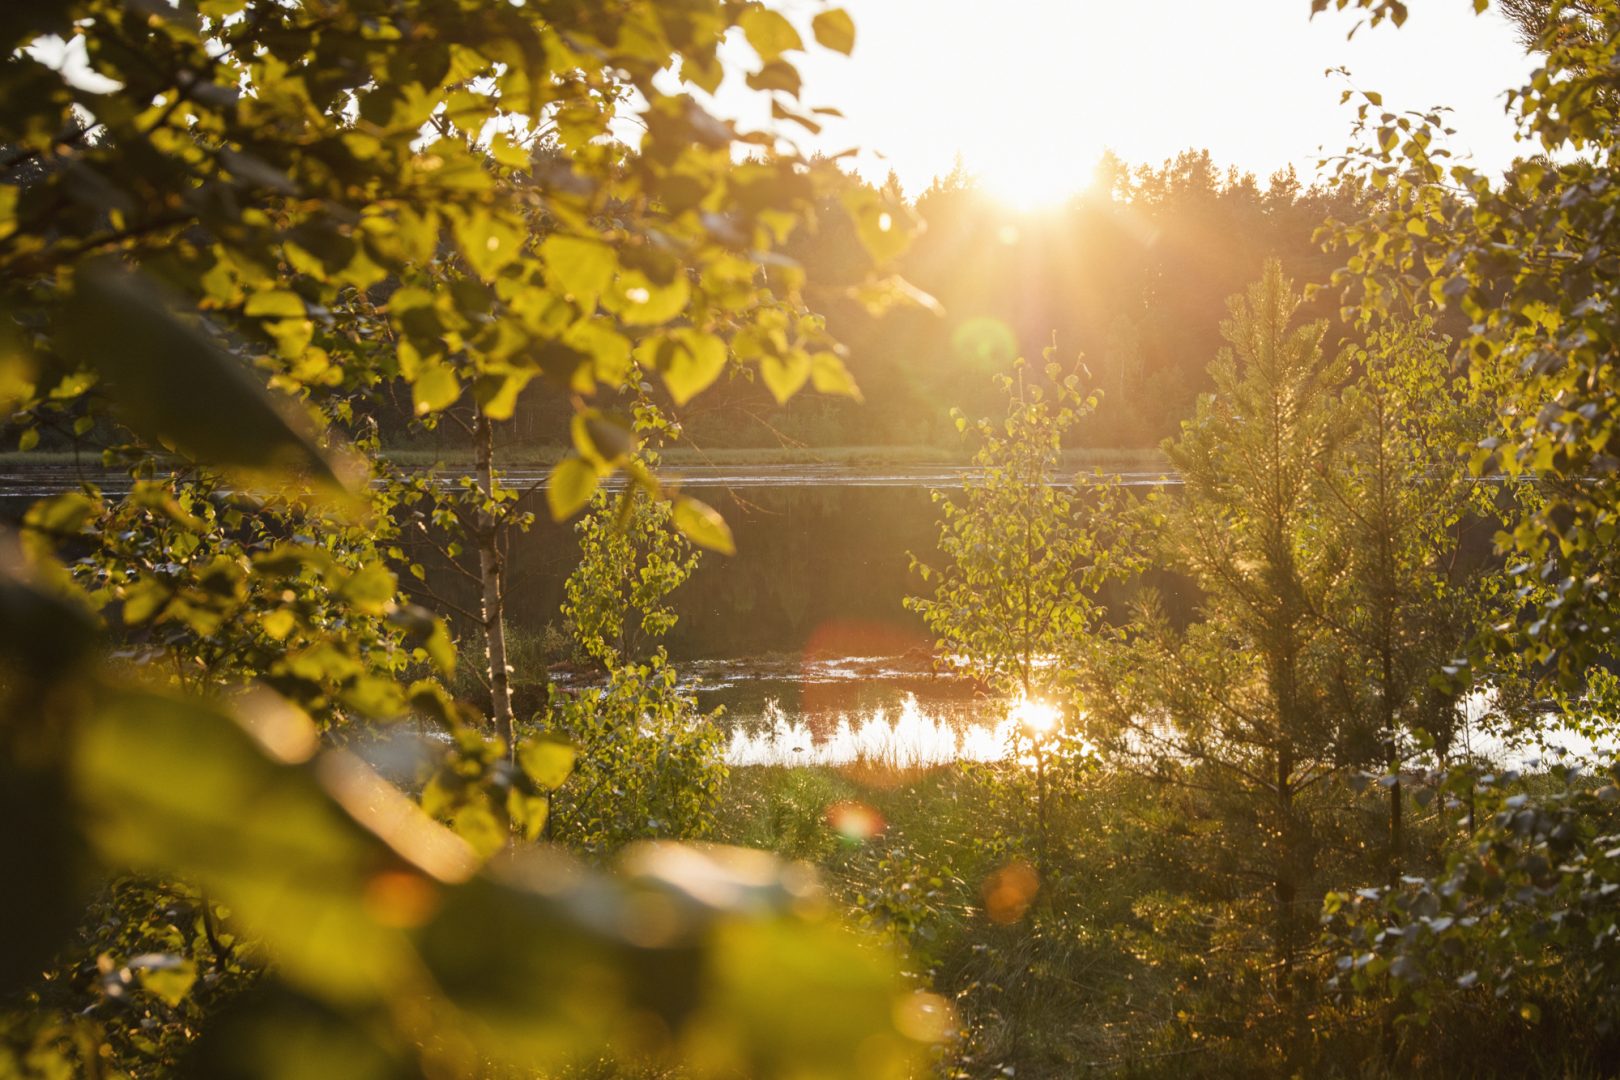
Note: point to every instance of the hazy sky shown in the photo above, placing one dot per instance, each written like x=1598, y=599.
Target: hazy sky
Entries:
x=1030, y=92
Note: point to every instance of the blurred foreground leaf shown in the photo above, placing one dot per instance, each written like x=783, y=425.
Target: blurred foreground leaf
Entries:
x=172, y=383
x=386, y=934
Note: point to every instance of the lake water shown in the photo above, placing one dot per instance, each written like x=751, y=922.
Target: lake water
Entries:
x=801, y=636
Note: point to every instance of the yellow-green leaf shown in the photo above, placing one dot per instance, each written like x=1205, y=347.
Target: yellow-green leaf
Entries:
x=602, y=440
x=278, y=623
x=769, y=33
x=275, y=303
x=784, y=376
x=829, y=375
x=835, y=30
x=488, y=242
x=169, y=380
x=883, y=227
x=8, y=209
x=548, y=760
x=497, y=394
x=694, y=365
x=371, y=588
x=527, y=812
x=582, y=267
x=436, y=387
x=703, y=525
x=169, y=977
x=639, y=301
x=570, y=486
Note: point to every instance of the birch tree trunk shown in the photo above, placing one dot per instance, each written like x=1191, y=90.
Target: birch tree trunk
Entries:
x=492, y=581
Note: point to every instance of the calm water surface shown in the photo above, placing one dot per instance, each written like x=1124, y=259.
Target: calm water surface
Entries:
x=801, y=637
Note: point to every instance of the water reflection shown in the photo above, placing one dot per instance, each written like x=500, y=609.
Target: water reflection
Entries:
x=908, y=737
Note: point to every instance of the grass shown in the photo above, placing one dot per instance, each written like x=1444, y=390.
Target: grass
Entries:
x=1133, y=959
x=15, y=458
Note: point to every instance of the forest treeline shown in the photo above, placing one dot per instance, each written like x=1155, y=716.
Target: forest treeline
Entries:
x=1132, y=273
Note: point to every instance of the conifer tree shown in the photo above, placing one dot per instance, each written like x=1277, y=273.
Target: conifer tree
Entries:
x=1236, y=703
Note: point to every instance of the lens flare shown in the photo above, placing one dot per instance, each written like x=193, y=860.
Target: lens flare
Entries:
x=855, y=821
x=1009, y=892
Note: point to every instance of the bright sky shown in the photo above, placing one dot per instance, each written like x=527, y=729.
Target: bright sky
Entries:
x=1031, y=92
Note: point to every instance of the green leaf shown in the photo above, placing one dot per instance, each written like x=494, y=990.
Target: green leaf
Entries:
x=8, y=209
x=440, y=648
x=784, y=376
x=370, y=588
x=548, y=760
x=693, y=366
x=169, y=977
x=278, y=623
x=703, y=525
x=829, y=376
x=488, y=242
x=769, y=33
x=608, y=349
x=173, y=786
x=497, y=393
x=835, y=30
x=527, y=812
x=570, y=486
x=435, y=388
x=275, y=304
x=882, y=227
x=580, y=266
x=639, y=301
x=62, y=515
x=603, y=440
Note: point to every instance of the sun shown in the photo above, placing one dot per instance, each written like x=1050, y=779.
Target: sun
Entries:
x=1029, y=185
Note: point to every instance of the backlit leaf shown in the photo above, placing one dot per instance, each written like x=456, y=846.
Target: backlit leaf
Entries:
x=435, y=388
x=835, y=30
x=694, y=364
x=769, y=33
x=582, y=267
x=703, y=525
x=570, y=486
x=785, y=375
x=548, y=760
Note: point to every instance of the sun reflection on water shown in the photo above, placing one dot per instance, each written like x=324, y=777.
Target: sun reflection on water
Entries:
x=1035, y=717
x=909, y=739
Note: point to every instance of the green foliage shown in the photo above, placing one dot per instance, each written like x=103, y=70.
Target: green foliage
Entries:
x=1524, y=258
x=1520, y=925
x=650, y=762
x=338, y=878
x=375, y=221
x=223, y=249
x=210, y=587
x=1239, y=701
x=1398, y=502
x=1014, y=600
x=1512, y=930
x=631, y=559
x=154, y=959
